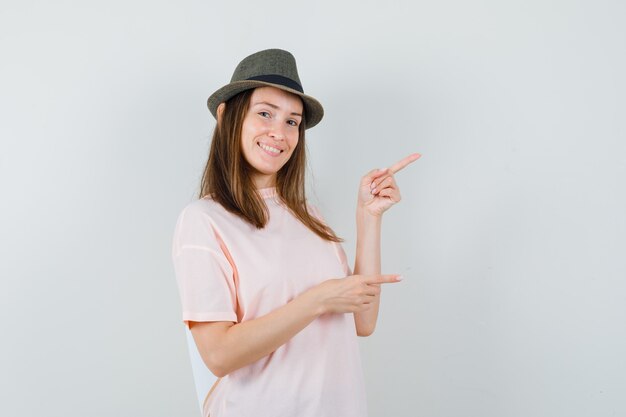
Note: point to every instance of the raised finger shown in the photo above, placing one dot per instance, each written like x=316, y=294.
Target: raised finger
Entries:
x=382, y=279
x=403, y=162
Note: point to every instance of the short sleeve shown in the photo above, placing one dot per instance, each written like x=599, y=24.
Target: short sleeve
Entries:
x=203, y=271
x=341, y=254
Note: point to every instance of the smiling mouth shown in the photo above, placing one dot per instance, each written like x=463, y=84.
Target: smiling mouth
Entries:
x=269, y=149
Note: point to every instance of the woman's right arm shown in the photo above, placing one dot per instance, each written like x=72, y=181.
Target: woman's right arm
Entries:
x=227, y=346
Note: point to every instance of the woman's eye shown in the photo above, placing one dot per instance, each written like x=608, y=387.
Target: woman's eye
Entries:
x=293, y=123
x=263, y=113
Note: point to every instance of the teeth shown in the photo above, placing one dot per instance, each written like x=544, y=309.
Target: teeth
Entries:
x=269, y=148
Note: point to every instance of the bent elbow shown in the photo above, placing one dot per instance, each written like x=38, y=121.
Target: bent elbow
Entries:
x=218, y=372
x=365, y=332
x=215, y=364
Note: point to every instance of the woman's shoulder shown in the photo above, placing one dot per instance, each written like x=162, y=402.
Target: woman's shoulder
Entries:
x=200, y=210
x=197, y=225
x=200, y=205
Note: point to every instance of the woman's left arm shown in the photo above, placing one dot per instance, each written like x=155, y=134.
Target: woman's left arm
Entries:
x=377, y=192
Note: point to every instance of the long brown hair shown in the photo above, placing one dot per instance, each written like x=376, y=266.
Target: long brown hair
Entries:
x=227, y=175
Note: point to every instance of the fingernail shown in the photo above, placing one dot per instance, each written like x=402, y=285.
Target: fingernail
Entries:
x=372, y=186
x=399, y=277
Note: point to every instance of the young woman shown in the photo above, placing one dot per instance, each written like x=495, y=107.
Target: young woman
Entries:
x=265, y=286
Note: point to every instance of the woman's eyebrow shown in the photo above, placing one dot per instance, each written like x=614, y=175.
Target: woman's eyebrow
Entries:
x=274, y=106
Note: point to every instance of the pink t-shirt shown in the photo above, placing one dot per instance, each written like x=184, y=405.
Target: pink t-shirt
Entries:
x=228, y=270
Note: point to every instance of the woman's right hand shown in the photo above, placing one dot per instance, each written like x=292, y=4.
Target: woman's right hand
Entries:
x=351, y=294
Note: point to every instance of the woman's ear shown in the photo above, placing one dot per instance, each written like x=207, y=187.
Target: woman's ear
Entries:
x=220, y=111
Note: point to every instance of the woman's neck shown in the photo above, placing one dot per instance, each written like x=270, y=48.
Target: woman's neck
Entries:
x=264, y=182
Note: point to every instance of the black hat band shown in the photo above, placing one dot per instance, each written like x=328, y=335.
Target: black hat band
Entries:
x=278, y=79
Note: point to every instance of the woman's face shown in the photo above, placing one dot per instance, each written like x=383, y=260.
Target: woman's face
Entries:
x=270, y=132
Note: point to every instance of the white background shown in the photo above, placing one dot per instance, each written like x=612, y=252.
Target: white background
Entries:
x=511, y=232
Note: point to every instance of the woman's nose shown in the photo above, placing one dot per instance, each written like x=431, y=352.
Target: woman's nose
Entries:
x=277, y=131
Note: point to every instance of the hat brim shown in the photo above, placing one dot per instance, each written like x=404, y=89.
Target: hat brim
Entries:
x=313, y=109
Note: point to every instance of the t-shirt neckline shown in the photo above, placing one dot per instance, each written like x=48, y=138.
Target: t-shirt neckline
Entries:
x=267, y=192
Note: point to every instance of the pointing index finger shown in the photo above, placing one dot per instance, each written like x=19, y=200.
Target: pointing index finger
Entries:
x=403, y=162
x=383, y=279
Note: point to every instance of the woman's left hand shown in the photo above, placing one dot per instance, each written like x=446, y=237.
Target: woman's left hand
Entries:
x=378, y=189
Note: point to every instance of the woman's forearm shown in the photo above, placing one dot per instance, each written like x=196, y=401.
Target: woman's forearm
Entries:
x=367, y=262
x=249, y=341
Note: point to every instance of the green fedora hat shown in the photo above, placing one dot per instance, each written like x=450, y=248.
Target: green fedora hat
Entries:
x=270, y=67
